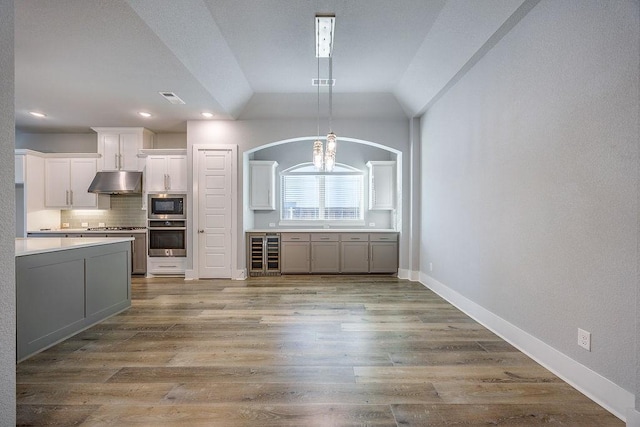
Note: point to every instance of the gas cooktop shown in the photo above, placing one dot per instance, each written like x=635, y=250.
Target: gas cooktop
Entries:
x=115, y=228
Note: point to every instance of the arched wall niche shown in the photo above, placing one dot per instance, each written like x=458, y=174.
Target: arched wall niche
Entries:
x=353, y=152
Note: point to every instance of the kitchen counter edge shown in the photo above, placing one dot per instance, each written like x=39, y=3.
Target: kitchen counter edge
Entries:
x=321, y=230
x=40, y=245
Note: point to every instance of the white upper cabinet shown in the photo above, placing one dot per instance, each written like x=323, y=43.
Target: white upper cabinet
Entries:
x=166, y=173
x=119, y=147
x=263, y=184
x=67, y=181
x=382, y=185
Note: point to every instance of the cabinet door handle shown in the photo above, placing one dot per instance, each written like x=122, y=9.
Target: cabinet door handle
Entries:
x=71, y=197
x=66, y=199
x=117, y=163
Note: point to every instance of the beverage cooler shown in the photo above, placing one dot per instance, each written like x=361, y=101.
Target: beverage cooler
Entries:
x=263, y=254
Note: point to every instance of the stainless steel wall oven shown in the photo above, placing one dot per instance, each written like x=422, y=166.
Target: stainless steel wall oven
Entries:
x=167, y=238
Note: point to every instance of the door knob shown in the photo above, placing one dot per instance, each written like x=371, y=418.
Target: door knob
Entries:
x=200, y=231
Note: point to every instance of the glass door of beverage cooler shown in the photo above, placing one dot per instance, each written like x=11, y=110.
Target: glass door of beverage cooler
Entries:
x=263, y=254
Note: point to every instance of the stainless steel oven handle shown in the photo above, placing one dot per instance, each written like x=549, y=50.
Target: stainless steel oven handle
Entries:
x=166, y=228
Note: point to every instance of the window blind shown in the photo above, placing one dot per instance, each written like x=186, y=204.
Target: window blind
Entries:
x=322, y=197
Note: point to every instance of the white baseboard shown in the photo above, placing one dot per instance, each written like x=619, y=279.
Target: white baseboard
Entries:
x=604, y=392
x=633, y=418
x=412, y=275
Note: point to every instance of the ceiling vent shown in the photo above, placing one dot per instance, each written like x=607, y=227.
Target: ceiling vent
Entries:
x=323, y=82
x=172, y=97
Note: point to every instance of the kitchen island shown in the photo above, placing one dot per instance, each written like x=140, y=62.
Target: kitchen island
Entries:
x=65, y=285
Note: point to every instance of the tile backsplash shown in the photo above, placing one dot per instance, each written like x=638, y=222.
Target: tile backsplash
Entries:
x=125, y=211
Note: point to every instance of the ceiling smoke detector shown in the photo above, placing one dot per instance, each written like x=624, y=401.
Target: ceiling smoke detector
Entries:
x=171, y=97
x=323, y=82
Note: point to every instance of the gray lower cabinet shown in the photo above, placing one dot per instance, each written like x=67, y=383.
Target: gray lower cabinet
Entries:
x=325, y=253
x=332, y=253
x=139, y=253
x=383, y=253
x=138, y=246
x=295, y=253
x=61, y=293
x=354, y=253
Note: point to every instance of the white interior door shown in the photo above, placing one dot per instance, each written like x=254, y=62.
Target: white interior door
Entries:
x=214, y=213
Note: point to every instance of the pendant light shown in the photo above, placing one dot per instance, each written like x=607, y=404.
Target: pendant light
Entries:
x=318, y=149
x=332, y=139
x=324, y=159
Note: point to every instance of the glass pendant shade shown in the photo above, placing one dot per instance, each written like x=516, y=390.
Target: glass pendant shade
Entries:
x=318, y=155
x=332, y=141
x=329, y=161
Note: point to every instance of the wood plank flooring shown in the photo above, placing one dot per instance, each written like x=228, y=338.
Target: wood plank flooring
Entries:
x=293, y=351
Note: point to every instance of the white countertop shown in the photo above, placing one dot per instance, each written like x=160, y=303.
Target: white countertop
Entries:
x=85, y=231
x=321, y=230
x=40, y=245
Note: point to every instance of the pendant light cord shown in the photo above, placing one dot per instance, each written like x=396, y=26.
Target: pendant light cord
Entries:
x=330, y=90
x=318, y=87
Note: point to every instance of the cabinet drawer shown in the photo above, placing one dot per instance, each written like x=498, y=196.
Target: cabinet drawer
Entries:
x=324, y=237
x=355, y=237
x=166, y=265
x=383, y=237
x=295, y=237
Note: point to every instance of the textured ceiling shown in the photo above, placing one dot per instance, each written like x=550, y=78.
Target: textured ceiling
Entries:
x=96, y=63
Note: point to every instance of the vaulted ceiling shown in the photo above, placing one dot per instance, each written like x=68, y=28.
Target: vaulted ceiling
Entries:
x=97, y=63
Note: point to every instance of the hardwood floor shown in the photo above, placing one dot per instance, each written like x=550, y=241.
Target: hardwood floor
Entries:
x=293, y=351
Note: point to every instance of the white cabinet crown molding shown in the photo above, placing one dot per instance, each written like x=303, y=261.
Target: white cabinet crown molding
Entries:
x=162, y=152
x=23, y=151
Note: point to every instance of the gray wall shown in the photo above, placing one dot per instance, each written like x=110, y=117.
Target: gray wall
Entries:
x=7, y=252
x=170, y=140
x=84, y=142
x=58, y=142
x=530, y=181
x=350, y=153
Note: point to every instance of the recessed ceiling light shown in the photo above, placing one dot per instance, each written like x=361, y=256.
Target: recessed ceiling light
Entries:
x=144, y=114
x=36, y=114
x=207, y=114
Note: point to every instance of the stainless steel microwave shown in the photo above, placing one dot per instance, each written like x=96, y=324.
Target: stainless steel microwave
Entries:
x=167, y=206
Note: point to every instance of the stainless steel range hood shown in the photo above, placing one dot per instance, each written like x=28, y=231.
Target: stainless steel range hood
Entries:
x=117, y=182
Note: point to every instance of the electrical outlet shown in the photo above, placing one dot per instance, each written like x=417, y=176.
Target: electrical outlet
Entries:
x=430, y=266
x=101, y=224
x=584, y=339
x=84, y=224
x=372, y=224
x=65, y=225
x=272, y=224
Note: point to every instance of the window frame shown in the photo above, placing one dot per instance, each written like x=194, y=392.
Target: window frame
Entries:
x=340, y=169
